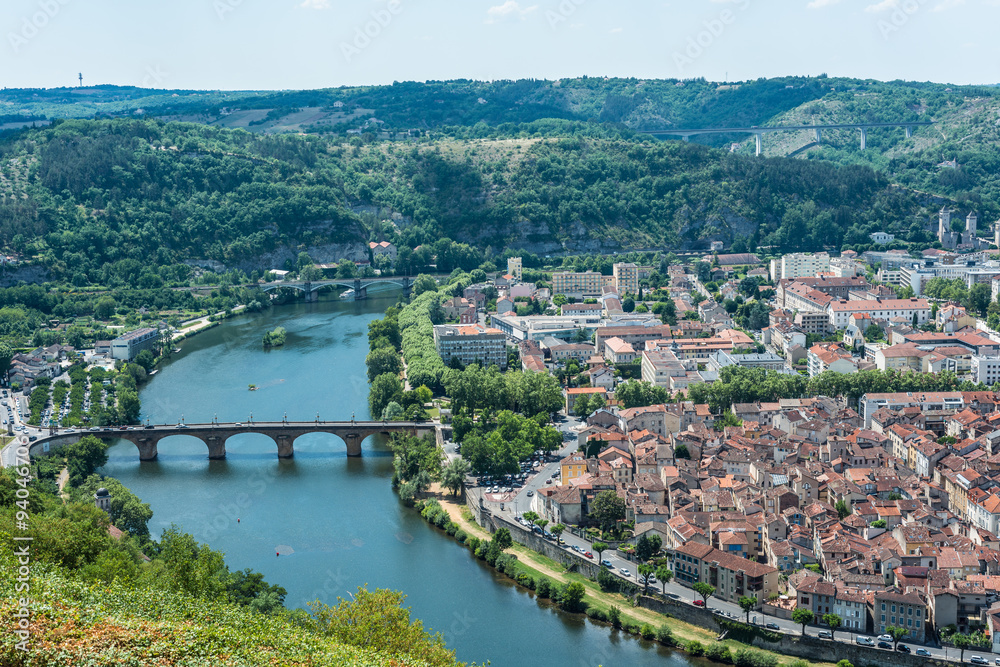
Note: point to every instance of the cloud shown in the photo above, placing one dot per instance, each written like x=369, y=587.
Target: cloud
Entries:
x=820, y=4
x=508, y=10
x=315, y=4
x=883, y=6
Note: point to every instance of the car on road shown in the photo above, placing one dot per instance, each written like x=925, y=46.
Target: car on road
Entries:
x=624, y=572
x=882, y=644
x=825, y=634
x=864, y=641
x=606, y=563
x=903, y=648
x=923, y=652
x=979, y=660
x=531, y=493
x=587, y=554
x=699, y=603
x=885, y=638
x=548, y=481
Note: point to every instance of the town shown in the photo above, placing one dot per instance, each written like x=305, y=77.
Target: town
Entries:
x=876, y=511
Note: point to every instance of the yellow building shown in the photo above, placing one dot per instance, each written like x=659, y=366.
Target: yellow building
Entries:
x=514, y=267
x=571, y=467
x=626, y=275
x=566, y=282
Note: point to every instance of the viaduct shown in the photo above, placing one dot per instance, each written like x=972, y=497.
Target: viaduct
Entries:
x=359, y=285
x=215, y=434
x=759, y=132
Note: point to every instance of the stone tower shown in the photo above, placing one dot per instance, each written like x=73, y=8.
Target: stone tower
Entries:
x=102, y=499
x=944, y=223
x=970, y=224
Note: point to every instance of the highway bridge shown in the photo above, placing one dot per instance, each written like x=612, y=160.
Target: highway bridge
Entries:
x=760, y=131
x=359, y=285
x=215, y=434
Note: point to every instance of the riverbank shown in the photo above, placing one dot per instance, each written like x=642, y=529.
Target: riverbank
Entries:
x=540, y=566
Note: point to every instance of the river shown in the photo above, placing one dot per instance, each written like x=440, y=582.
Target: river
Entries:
x=336, y=521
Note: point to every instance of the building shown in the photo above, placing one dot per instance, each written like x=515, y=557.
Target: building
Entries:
x=383, y=248
x=128, y=345
x=660, y=367
x=830, y=357
x=881, y=238
x=799, y=264
x=577, y=392
x=902, y=610
x=953, y=240
x=626, y=275
x=840, y=312
x=581, y=310
x=925, y=401
x=766, y=360
x=471, y=344
x=587, y=282
x=514, y=268
x=986, y=370
x=732, y=576
x=618, y=351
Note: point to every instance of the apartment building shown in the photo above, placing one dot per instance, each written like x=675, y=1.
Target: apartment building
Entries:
x=471, y=344
x=626, y=275
x=840, y=312
x=586, y=283
x=799, y=264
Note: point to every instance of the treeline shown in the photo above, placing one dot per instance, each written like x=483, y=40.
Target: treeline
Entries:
x=473, y=389
x=750, y=385
x=496, y=443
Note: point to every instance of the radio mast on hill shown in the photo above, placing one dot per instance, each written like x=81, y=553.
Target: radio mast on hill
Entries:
x=81, y=79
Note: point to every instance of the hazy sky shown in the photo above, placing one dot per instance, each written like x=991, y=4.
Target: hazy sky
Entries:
x=275, y=44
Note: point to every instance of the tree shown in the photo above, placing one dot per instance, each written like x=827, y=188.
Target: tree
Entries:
x=681, y=451
x=128, y=406
x=453, y=475
x=384, y=389
x=897, y=633
x=382, y=360
x=803, y=617
x=873, y=333
x=833, y=621
x=647, y=547
x=502, y=539
x=607, y=509
x=557, y=530
x=599, y=547
x=393, y=411
x=628, y=305
x=572, y=596
x=748, y=604
x=878, y=523
x=664, y=574
x=646, y=569
x=843, y=511
x=541, y=523
x=704, y=590
x=6, y=356
x=145, y=359
x=84, y=457
x=424, y=283
x=531, y=517
x=105, y=307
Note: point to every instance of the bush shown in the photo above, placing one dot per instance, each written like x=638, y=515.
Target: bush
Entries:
x=525, y=580
x=718, y=653
x=665, y=636
x=799, y=663
x=597, y=614
x=615, y=617
x=746, y=657
x=543, y=587
x=630, y=627
x=472, y=542
x=461, y=535
x=695, y=648
x=647, y=631
x=451, y=527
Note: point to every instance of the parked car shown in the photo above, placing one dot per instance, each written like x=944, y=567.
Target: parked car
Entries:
x=923, y=652
x=699, y=603
x=882, y=644
x=624, y=572
x=979, y=660
x=531, y=493
x=587, y=554
x=885, y=638
x=825, y=634
x=865, y=641
x=606, y=563
x=903, y=648
x=772, y=626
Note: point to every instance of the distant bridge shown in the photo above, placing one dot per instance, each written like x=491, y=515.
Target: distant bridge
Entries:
x=759, y=132
x=215, y=434
x=359, y=285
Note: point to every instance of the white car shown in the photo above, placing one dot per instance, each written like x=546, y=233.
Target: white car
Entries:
x=625, y=573
x=885, y=638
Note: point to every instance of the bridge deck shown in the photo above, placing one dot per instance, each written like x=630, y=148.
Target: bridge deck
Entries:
x=782, y=128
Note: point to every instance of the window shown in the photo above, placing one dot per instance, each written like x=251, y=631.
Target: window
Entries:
x=894, y=609
x=883, y=618
x=910, y=611
x=883, y=609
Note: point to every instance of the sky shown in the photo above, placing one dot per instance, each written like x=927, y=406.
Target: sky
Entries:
x=299, y=44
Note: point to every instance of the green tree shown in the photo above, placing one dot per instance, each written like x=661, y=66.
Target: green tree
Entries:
x=748, y=604
x=453, y=475
x=664, y=574
x=393, y=412
x=647, y=547
x=6, y=356
x=384, y=389
x=704, y=590
x=383, y=360
x=572, y=596
x=645, y=570
x=600, y=548
x=145, y=359
x=843, y=510
x=833, y=621
x=129, y=406
x=531, y=517
x=105, y=308
x=607, y=509
x=803, y=617
x=424, y=283
x=897, y=633
x=557, y=530
x=377, y=621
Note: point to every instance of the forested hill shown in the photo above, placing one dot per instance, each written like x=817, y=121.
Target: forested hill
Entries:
x=86, y=195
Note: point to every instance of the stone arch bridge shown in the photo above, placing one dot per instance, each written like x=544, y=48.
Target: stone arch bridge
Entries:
x=215, y=434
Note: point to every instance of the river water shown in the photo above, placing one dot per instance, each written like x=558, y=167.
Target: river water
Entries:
x=335, y=521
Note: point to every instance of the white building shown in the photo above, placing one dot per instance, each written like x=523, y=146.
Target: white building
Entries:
x=882, y=237
x=840, y=312
x=128, y=345
x=799, y=264
x=986, y=370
